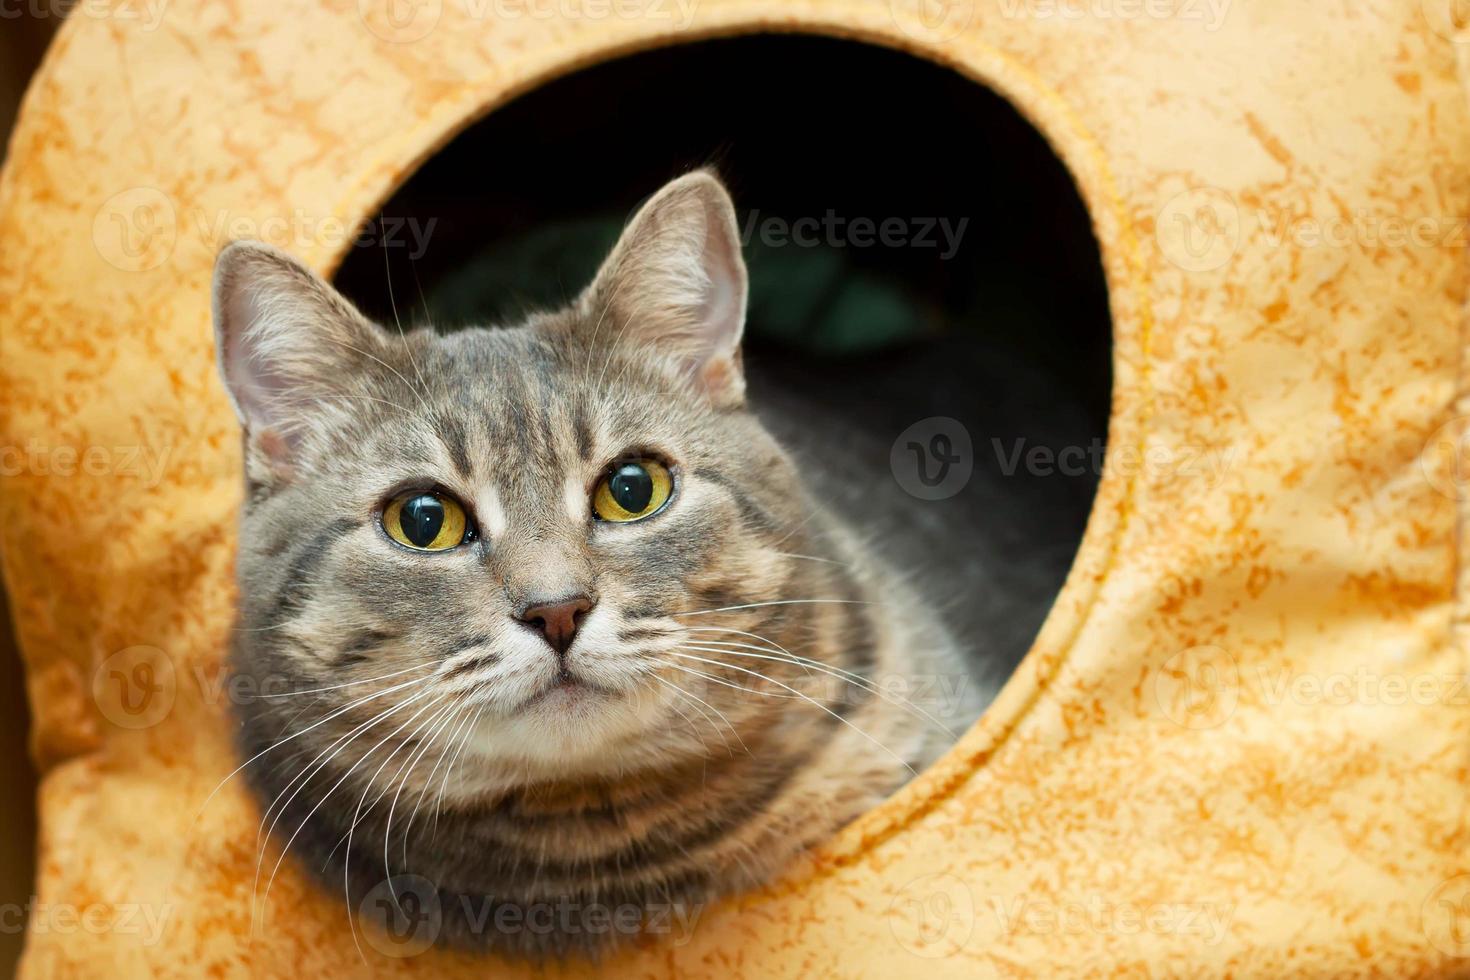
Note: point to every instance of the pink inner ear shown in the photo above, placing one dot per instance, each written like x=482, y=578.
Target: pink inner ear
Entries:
x=252, y=292
x=723, y=313
x=244, y=370
x=255, y=388
x=720, y=376
x=277, y=448
x=244, y=331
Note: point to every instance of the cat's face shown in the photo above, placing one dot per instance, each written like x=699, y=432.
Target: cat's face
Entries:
x=513, y=538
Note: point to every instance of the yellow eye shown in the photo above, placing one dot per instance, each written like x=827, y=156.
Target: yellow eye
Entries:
x=631, y=491
x=425, y=521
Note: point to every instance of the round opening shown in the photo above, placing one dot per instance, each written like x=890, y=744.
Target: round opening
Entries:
x=921, y=264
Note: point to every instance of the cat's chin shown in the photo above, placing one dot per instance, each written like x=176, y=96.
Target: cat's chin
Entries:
x=567, y=728
x=567, y=698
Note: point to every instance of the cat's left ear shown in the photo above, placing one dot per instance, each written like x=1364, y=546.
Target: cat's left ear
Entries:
x=676, y=284
x=286, y=343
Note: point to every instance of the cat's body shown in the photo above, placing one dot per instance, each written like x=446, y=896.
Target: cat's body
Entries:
x=561, y=717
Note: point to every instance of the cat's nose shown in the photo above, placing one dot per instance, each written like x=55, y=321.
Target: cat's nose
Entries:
x=557, y=619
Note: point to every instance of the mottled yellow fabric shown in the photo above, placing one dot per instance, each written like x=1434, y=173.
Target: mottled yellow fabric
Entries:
x=1240, y=744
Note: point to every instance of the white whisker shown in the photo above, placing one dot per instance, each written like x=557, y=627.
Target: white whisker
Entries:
x=338, y=687
x=357, y=815
x=309, y=772
x=265, y=900
x=685, y=694
x=829, y=561
x=856, y=680
x=297, y=734
x=775, y=602
x=772, y=680
x=720, y=714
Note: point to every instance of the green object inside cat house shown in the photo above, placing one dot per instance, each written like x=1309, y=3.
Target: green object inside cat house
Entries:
x=884, y=202
x=915, y=250
x=809, y=298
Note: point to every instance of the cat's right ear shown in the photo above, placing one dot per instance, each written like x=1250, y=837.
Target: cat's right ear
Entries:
x=283, y=338
x=675, y=283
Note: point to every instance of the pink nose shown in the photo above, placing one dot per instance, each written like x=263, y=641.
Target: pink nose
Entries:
x=557, y=620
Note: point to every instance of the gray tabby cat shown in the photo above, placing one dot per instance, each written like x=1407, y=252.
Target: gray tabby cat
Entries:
x=544, y=616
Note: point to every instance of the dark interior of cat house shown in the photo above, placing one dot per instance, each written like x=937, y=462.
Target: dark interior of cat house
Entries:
x=917, y=253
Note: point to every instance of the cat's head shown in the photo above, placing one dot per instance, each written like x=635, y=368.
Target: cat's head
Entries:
x=527, y=525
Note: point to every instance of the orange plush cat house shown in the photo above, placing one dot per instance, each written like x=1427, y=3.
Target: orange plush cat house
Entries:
x=1239, y=744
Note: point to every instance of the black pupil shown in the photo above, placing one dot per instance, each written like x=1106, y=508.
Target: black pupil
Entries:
x=421, y=519
x=631, y=487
